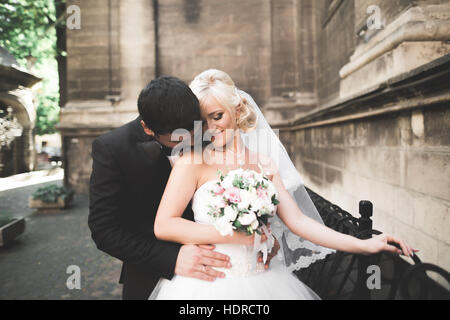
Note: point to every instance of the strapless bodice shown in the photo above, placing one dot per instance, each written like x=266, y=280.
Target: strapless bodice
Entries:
x=241, y=256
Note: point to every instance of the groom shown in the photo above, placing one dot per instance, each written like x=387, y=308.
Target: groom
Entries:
x=130, y=172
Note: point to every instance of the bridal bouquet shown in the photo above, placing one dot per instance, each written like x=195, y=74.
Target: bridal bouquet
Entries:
x=243, y=200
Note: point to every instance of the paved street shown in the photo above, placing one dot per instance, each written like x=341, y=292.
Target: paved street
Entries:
x=34, y=267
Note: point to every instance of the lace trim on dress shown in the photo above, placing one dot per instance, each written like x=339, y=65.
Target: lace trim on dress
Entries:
x=306, y=261
x=296, y=252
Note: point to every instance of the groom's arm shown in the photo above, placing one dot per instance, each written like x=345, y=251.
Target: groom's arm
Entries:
x=109, y=235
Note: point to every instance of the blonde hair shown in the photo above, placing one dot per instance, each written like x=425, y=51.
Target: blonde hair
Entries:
x=221, y=86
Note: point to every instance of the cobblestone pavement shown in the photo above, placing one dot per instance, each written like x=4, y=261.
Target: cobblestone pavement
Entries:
x=35, y=265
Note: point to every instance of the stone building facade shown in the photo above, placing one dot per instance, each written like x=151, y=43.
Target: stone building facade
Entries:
x=16, y=102
x=359, y=90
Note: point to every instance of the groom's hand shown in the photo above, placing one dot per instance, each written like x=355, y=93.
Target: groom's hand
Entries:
x=198, y=262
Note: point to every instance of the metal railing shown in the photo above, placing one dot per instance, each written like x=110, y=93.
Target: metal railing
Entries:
x=344, y=276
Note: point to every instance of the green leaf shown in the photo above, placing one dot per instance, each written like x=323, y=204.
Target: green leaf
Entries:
x=264, y=219
x=238, y=182
x=24, y=31
x=237, y=224
x=51, y=193
x=220, y=174
x=275, y=200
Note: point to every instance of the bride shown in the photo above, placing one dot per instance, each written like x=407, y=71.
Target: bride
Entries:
x=237, y=125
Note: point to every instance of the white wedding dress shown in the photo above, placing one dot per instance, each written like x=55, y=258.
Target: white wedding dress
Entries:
x=242, y=281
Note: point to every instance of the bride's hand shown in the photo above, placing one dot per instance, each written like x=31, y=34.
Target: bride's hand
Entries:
x=271, y=255
x=381, y=242
x=242, y=238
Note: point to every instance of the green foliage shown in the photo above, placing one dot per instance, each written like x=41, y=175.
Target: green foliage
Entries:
x=275, y=200
x=5, y=218
x=47, y=114
x=24, y=28
x=51, y=193
x=27, y=29
x=238, y=225
x=238, y=182
x=221, y=175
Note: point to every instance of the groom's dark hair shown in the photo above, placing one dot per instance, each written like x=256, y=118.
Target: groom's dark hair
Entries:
x=167, y=104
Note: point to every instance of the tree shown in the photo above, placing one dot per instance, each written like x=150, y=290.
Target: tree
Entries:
x=27, y=30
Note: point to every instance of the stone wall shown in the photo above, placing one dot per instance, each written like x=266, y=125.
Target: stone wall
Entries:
x=78, y=162
x=92, y=52
x=399, y=162
x=233, y=36
x=109, y=60
x=335, y=39
x=368, y=141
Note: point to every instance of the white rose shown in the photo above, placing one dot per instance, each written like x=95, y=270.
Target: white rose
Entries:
x=224, y=227
x=253, y=196
x=230, y=213
x=255, y=224
x=247, y=218
x=257, y=204
x=237, y=172
x=227, y=182
x=245, y=200
x=271, y=190
x=269, y=208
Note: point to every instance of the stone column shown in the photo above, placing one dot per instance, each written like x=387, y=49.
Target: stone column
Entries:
x=110, y=59
x=292, y=63
x=137, y=49
x=284, y=65
x=28, y=158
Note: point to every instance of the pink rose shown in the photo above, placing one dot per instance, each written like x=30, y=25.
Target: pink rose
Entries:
x=221, y=203
x=233, y=195
x=218, y=190
x=261, y=193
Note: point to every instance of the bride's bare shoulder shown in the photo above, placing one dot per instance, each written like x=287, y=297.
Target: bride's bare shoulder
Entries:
x=191, y=160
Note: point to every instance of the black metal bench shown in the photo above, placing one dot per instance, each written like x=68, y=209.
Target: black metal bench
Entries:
x=344, y=276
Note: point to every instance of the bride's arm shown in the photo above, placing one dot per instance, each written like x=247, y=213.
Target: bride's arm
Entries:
x=169, y=224
x=320, y=234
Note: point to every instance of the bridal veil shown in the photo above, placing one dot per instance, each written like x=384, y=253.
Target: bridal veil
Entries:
x=297, y=252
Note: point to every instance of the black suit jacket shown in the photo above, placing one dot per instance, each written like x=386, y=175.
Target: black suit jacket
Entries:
x=128, y=179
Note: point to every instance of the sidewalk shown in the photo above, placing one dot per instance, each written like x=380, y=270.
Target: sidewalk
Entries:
x=31, y=178
x=34, y=267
